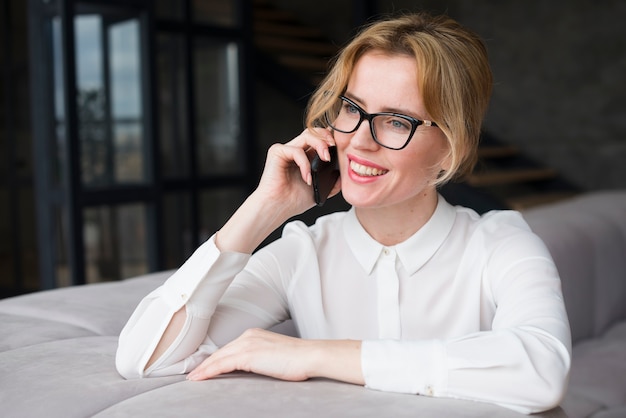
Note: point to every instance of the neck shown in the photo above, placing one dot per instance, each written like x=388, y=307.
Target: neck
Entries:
x=391, y=225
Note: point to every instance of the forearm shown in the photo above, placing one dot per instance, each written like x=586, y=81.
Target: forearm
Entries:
x=178, y=311
x=171, y=332
x=136, y=354
x=338, y=360
x=486, y=366
x=252, y=223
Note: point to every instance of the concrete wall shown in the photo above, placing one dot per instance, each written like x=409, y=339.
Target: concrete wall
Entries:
x=560, y=73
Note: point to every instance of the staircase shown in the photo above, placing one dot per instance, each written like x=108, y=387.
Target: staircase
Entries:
x=512, y=180
x=294, y=58
x=302, y=49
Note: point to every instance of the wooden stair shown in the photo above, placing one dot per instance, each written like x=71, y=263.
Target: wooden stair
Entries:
x=301, y=48
x=504, y=178
x=510, y=177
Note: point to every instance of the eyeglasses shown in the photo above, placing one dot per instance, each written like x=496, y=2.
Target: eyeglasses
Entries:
x=389, y=130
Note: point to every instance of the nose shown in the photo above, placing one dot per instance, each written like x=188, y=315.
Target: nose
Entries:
x=362, y=137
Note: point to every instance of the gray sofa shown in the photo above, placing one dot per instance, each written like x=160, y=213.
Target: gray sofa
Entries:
x=57, y=347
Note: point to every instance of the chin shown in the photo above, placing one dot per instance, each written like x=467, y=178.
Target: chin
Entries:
x=362, y=200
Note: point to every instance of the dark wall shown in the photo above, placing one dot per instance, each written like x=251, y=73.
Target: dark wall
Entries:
x=560, y=73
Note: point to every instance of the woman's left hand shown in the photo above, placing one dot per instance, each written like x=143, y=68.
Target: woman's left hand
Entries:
x=286, y=358
x=261, y=352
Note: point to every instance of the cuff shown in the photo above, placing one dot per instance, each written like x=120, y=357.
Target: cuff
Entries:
x=202, y=280
x=416, y=367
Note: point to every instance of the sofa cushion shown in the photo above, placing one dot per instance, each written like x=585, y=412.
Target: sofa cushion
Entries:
x=246, y=395
x=66, y=378
x=76, y=378
x=599, y=371
x=100, y=308
x=21, y=331
x=587, y=239
x=612, y=413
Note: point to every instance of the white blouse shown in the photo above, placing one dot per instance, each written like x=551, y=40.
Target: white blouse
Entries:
x=468, y=307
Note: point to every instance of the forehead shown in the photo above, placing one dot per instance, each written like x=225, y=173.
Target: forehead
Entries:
x=381, y=81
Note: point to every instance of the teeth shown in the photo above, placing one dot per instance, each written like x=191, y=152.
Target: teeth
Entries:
x=363, y=170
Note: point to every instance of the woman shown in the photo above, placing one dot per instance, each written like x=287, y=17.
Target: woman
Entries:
x=403, y=292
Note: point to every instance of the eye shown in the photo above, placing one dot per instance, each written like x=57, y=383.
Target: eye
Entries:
x=350, y=108
x=398, y=124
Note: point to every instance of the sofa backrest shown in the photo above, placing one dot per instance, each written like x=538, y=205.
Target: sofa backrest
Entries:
x=586, y=236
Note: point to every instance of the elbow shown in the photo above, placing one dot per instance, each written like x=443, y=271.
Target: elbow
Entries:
x=544, y=381
x=549, y=388
x=127, y=371
x=128, y=366
x=538, y=396
x=552, y=395
x=551, y=376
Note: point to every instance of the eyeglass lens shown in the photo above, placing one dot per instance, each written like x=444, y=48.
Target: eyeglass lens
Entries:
x=389, y=130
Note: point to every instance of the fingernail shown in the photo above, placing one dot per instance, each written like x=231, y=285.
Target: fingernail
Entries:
x=309, y=180
x=326, y=155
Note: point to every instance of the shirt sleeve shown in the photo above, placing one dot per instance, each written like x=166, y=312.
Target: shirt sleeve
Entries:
x=521, y=363
x=198, y=286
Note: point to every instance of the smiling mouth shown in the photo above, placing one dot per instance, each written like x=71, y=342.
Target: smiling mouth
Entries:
x=363, y=170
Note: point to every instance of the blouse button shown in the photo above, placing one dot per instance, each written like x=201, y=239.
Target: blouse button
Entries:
x=183, y=296
x=386, y=251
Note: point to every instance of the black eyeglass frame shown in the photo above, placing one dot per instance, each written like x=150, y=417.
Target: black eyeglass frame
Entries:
x=363, y=115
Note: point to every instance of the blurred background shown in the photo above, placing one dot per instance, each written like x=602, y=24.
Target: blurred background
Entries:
x=130, y=130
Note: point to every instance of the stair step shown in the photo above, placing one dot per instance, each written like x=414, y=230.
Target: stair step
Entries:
x=271, y=14
x=499, y=151
x=285, y=29
x=500, y=177
x=524, y=202
x=304, y=63
x=295, y=45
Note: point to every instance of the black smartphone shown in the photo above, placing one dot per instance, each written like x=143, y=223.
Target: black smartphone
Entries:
x=325, y=175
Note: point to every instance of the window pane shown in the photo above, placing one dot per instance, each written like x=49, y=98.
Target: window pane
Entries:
x=218, y=130
x=109, y=105
x=115, y=242
x=28, y=239
x=172, y=106
x=126, y=107
x=216, y=206
x=90, y=99
x=222, y=13
x=59, y=165
x=6, y=252
x=179, y=240
x=63, y=275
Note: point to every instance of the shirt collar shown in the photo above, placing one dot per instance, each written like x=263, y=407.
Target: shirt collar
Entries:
x=414, y=252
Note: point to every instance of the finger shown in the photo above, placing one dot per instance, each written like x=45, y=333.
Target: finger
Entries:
x=213, y=366
x=317, y=138
x=324, y=140
x=301, y=159
x=326, y=134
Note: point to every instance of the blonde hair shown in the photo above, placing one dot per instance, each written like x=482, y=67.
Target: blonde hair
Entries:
x=454, y=78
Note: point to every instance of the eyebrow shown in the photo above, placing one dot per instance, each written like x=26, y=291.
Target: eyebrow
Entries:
x=405, y=112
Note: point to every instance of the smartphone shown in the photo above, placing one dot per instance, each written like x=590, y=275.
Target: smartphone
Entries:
x=325, y=175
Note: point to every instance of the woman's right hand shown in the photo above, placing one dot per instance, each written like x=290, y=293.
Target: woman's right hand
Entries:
x=284, y=191
x=286, y=178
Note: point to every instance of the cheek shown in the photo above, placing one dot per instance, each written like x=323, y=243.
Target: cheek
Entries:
x=341, y=140
x=430, y=152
